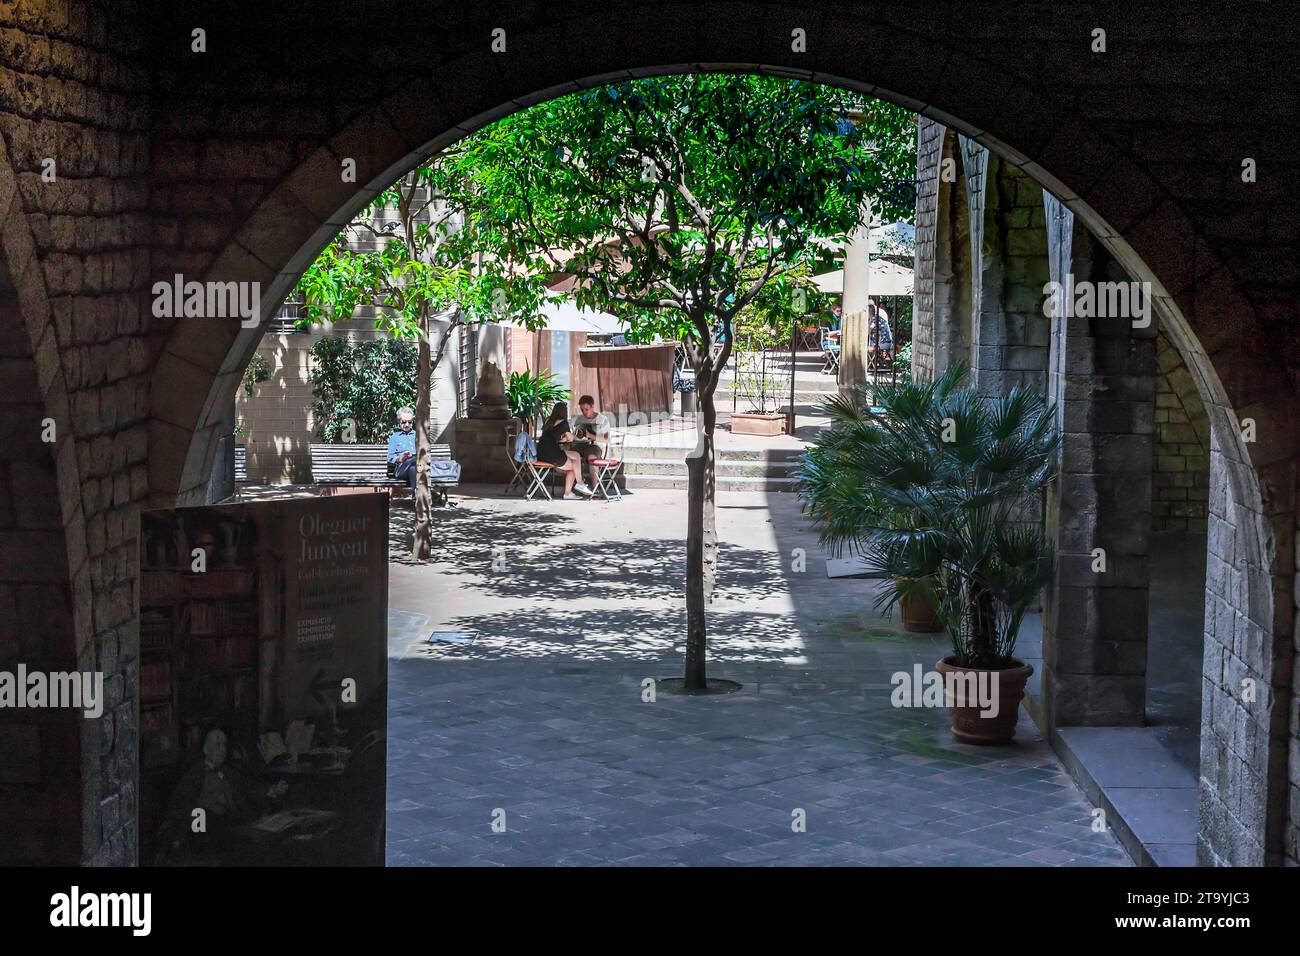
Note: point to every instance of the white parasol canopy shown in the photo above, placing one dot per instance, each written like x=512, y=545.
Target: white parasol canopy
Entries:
x=886, y=279
x=562, y=316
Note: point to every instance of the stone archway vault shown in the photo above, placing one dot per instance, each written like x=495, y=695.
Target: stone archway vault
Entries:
x=1248, y=531
x=231, y=172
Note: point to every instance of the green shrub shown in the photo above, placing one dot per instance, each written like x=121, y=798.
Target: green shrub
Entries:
x=363, y=382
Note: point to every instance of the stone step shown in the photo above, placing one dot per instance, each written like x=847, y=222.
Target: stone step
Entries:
x=722, y=483
x=733, y=468
x=677, y=453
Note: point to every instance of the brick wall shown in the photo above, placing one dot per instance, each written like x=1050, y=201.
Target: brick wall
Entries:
x=1180, y=496
x=74, y=88
x=40, y=806
x=929, y=143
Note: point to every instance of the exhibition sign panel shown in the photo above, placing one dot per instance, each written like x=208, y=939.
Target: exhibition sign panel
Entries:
x=263, y=663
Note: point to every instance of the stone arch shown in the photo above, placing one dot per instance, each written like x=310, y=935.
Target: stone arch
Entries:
x=1100, y=180
x=46, y=592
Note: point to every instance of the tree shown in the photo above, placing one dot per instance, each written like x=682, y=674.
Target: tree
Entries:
x=404, y=258
x=761, y=378
x=674, y=202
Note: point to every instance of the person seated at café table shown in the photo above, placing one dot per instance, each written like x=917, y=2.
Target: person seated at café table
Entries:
x=593, y=426
x=837, y=316
x=880, y=337
x=401, y=447
x=551, y=449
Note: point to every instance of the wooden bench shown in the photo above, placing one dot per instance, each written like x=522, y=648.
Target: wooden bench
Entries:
x=357, y=465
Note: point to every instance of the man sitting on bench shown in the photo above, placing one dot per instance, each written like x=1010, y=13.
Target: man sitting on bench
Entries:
x=401, y=447
x=593, y=426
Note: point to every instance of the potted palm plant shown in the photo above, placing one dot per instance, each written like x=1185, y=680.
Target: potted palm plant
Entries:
x=846, y=501
x=950, y=472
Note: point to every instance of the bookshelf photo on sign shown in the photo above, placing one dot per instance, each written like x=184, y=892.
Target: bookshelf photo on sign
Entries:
x=263, y=682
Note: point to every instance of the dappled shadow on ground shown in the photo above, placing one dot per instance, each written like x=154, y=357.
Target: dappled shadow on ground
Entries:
x=464, y=535
x=536, y=556
x=620, y=633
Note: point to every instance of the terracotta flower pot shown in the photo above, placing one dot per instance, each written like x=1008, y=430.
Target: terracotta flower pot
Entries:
x=756, y=423
x=918, y=616
x=978, y=720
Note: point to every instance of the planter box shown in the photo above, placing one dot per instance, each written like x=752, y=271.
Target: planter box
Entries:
x=749, y=423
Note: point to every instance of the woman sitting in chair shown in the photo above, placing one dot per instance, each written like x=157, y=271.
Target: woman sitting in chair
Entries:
x=551, y=450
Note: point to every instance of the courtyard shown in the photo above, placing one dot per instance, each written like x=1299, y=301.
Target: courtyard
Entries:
x=540, y=724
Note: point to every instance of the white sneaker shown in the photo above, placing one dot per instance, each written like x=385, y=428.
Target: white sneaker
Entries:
x=582, y=490
x=569, y=497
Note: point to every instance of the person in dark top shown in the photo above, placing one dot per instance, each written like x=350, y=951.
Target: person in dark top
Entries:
x=550, y=449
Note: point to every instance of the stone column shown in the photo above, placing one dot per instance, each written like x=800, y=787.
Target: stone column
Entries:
x=857, y=287
x=1102, y=379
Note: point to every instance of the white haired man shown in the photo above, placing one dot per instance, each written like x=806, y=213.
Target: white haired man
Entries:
x=401, y=447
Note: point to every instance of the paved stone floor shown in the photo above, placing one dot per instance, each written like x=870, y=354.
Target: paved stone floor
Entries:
x=541, y=720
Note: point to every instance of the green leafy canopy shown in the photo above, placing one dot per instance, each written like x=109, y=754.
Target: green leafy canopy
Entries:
x=675, y=200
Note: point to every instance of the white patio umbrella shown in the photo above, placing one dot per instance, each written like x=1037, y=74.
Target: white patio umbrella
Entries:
x=562, y=316
x=886, y=279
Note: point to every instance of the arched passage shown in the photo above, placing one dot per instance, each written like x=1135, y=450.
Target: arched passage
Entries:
x=1005, y=187
x=242, y=182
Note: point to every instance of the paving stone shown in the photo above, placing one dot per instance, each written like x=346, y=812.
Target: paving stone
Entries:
x=589, y=774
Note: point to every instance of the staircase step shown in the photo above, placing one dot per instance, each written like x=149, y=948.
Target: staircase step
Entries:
x=679, y=482
x=728, y=468
x=778, y=456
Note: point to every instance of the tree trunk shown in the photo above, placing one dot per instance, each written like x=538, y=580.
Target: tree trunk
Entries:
x=422, y=543
x=709, y=410
x=701, y=533
x=984, y=630
x=698, y=468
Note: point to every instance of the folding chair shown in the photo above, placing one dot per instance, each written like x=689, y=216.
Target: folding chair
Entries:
x=520, y=474
x=539, y=473
x=831, y=355
x=609, y=465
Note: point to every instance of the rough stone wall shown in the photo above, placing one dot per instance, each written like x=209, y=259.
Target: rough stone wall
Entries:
x=1241, y=688
x=953, y=270
x=929, y=143
x=1180, y=497
x=74, y=89
x=1011, y=330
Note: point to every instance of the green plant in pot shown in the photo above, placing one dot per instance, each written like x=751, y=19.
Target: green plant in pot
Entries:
x=952, y=472
x=533, y=396
x=843, y=496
